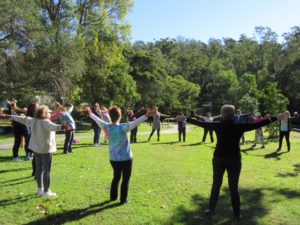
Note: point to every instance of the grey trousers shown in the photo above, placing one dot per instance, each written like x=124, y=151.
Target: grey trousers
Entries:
x=43, y=170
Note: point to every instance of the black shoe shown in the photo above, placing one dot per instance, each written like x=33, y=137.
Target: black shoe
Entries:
x=124, y=202
x=278, y=149
x=113, y=199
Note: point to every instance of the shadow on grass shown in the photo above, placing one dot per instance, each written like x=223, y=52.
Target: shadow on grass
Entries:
x=194, y=144
x=15, y=170
x=165, y=143
x=246, y=150
x=17, y=200
x=275, y=155
x=76, y=214
x=16, y=183
x=291, y=174
x=252, y=208
x=17, y=179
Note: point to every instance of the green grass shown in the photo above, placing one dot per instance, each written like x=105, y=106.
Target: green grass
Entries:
x=170, y=184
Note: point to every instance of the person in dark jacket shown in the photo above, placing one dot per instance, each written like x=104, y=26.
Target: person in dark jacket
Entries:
x=20, y=131
x=97, y=130
x=227, y=154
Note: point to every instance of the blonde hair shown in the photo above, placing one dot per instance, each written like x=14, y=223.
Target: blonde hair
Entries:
x=42, y=112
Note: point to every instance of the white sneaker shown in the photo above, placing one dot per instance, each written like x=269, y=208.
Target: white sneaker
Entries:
x=96, y=145
x=40, y=192
x=49, y=194
x=17, y=159
x=28, y=158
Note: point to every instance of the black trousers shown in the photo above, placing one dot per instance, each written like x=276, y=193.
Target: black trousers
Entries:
x=285, y=134
x=19, y=133
x=210, y=134
x=121, y=168
x=181, y=132
x=68, y=141
x=152, y=132
x=233, y=168
x=97, y=131
x=133, y=134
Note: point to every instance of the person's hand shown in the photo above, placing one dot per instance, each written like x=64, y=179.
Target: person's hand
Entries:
x=5, y=116
x=151, y=112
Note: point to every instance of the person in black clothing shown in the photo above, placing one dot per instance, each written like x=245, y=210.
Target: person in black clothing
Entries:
x=20, y=131
x=181, y=121
x=227, y=154
x=32, y=108
x=97, y=130
x=133, y=133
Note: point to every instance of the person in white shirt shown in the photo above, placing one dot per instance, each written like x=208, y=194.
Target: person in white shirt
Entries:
x=42, y=143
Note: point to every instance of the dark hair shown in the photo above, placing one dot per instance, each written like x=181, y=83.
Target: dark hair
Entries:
x=31, y=110
x=115, y=113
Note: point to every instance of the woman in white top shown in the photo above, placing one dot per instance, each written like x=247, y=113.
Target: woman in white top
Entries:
x=43, y=144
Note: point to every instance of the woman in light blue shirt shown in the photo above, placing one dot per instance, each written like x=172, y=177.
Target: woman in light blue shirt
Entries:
x=119, y=148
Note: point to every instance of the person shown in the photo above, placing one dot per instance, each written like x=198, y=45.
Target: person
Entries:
x=181, y=121
x=208, y=118
x=227, y=154
x=42, y=143
x=67, y=118
x=31, y=111
x=132, y=117
x=284, y=130
x=119, y=148
x=259, y=134
x=105, y=117
x=241, y=118
x=156, y=124
x=97, y=130
x=20, y=131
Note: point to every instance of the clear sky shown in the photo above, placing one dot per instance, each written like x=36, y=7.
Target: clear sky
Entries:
x=204, y=19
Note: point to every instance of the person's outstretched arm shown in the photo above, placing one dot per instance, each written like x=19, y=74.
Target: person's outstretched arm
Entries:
x=208, y=125
x=99, y=121
x=134, y=124
x=261, y=123
x=52, y=126
x=26, y=120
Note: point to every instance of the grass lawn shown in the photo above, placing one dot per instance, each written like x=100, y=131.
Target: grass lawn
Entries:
x=170, y=184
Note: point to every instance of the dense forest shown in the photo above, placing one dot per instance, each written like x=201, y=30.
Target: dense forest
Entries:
x=80, y=50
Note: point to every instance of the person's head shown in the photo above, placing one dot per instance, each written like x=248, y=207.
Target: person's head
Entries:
x=287, y=113
x=32, y=108
x=238, y=111
x=227, y=112
x=115, y=114
x=208, y=114
x=96, y=105
x=130, y=112
x=43, y=112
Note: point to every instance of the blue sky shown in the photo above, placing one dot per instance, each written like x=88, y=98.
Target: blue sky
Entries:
x=204, y=19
